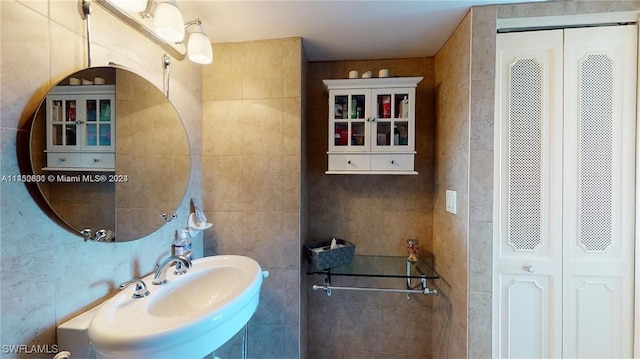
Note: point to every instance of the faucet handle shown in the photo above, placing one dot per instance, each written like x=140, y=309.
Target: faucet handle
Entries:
x=182, y=266
x=141, y=290
x=180, y=269
x=182, y=263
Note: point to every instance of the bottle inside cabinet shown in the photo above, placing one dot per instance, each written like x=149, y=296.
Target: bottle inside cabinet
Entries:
x=357, y=104
x=401, y=102
x=341, y=109
x=358, y=135
x=384, y=106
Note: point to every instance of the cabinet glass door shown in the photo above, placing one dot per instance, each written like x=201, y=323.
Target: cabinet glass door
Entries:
x=58, y=120
x=391, y=130
x=98, y=123
x=63, y=123
x=90, y=129
x=105, y=125
x=349, y=122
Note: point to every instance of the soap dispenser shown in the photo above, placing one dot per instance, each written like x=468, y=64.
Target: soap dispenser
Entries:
x=182, y=244
x=185, y=239
x=179, y=244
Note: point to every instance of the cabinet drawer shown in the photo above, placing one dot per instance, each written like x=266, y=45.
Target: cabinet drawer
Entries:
x=392, y=162
x=349, y=162
x=99, y=160
x=81, y=161
x=63, y=159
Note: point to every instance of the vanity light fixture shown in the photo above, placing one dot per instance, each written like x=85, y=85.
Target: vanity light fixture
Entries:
x=168, y=22
x=198, y=45
x=162, y=22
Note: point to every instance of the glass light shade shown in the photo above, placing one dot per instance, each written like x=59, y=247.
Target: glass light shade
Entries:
x=168, y=23
x=133, y=6
x=199, y=48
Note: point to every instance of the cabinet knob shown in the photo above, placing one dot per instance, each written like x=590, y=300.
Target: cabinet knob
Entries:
x=349, y=162
x=96, y=160
x=529, y=269
x=393, y=162
x=61, y=159
x=78, y=122
x=373, y=119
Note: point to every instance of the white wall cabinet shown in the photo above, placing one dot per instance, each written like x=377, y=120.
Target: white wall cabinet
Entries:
x=565, y=186
x=80, y=128
x=372, y=125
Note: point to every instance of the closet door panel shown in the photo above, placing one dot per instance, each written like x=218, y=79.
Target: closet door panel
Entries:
x=599, y=199
x=528, y=254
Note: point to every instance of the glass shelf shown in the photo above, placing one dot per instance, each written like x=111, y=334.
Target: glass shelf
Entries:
x=380, y=266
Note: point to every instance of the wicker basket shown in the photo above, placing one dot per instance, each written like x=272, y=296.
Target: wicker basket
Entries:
x=320, y=255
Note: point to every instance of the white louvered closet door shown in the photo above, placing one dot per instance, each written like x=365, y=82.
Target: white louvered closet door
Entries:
x=564, y=282
x=528, y=255
x=599, y=197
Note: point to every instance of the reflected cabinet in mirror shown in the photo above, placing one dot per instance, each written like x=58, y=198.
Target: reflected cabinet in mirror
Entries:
x=112, y=153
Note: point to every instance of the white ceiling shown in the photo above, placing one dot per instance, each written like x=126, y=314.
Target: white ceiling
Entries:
x=337, y=30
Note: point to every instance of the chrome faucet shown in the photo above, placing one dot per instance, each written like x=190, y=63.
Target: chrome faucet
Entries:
x=141, y=288
x=182, y=263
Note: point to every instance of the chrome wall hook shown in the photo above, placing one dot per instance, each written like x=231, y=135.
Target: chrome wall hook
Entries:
x=168, y=218
x=100, y=234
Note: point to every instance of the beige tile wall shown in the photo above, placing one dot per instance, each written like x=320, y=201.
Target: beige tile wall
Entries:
x=450, y=240
x=252, y=140
x=377, y=213
x=481, y=179
x=47, y=273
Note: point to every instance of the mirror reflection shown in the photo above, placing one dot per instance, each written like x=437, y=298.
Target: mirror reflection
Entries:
x=113, y=151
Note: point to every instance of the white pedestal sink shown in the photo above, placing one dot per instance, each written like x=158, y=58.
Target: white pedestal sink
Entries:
x=188, y=317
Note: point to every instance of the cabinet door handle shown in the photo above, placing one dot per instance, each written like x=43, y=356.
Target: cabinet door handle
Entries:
x=529, y=269
x=96, y=160
x=61, y=159
x=393, y=162
x=373, y=119
x=349, y=162
x=79, y=122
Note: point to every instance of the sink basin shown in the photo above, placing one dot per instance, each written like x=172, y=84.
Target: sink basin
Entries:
x=188, y=317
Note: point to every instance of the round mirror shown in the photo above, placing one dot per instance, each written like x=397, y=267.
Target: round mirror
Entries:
x=109, y=153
